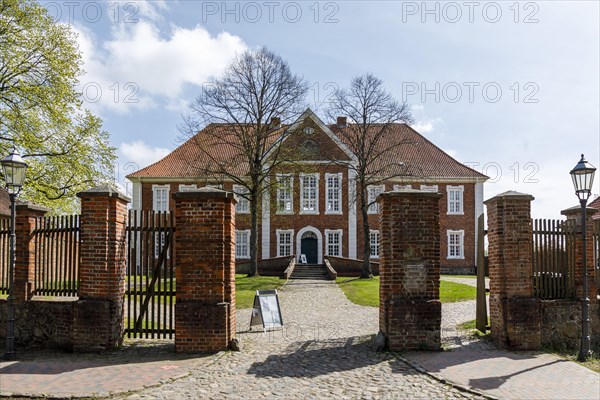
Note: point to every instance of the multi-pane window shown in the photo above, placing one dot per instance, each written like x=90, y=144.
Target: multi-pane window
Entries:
x=334, y=193
x=309, y=193
x=284, y=243
x=455, y=199
x=284, y=194
x=429, y=188
x=374, y=241
x=373, y=191
x=456, y=246
x=160, y=197
x=242, y=244
x=333, y=246
x=243, y=204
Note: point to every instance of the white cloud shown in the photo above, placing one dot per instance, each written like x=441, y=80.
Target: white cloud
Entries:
x=138, y=154
x=140, y=67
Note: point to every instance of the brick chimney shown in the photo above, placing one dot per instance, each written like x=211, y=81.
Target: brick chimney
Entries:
x=341, y=122
x=275, y=122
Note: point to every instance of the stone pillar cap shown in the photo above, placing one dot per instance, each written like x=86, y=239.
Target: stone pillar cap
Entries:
x=511, y=194
x=106, y=190
x=28, y=205
x=576, y=210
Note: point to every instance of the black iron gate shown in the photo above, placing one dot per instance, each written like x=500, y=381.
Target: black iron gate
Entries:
x=150, y=285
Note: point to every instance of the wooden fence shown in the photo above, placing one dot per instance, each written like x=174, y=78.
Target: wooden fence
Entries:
x=150, y=291
x=57, y=255
x=553, y=258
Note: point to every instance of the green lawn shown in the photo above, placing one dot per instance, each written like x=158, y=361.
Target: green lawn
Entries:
x=245, y=288
x=365, y=292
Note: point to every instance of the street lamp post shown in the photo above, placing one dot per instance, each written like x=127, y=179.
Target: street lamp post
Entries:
x=583, y=178
x=14, y=174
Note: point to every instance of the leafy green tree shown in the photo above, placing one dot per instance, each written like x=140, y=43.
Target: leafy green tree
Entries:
x=41, y=112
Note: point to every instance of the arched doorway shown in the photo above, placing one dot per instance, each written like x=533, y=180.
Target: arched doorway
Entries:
x=309, y=246
x=309, y=242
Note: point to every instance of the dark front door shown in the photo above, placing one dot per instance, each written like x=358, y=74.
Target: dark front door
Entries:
x=308, y=247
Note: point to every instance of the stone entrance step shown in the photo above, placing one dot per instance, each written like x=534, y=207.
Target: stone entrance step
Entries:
x=310, y=271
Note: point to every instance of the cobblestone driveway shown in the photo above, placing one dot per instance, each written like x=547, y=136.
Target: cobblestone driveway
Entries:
x=323, y=352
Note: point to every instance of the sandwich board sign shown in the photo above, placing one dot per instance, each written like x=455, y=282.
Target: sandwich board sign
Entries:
x=265, y=310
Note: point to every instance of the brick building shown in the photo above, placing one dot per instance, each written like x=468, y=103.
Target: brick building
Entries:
x=312, y=210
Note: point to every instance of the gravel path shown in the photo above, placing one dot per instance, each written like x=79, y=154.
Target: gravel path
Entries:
x=324, y=352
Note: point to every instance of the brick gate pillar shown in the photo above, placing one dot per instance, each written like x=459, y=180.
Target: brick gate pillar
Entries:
x=98, y=314
x=410, y=311
x=574, y=214
x=205, y=270
x=26, y=216
x=515, y=315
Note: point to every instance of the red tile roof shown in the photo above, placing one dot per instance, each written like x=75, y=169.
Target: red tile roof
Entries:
x=595, y=204
x=419, y=155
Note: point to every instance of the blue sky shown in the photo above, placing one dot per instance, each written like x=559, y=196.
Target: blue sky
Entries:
x=510, y=88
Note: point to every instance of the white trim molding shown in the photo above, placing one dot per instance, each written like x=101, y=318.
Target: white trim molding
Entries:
x=319, y=242
x=266, y=224
x=351, y=213
x=429, y=188
x=136, y=196
x=478, y=211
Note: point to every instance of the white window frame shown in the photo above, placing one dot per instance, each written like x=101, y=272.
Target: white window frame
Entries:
x=377, y=245
x=372, y=192
x=164, y=203
x=460, y=234
x=401, y=187
x=429, y=188
x=455, y=207
x=340, y=233
x=328, y=190
x=284, y=190
x=243, y=204
x=187, y=188
x=239, y=244
x=302, y=209
x=280, y=245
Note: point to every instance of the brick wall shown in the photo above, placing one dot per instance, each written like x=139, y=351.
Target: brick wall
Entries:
x=205, y=309
x=98, y=315
x=410, y=311
x=515, y=315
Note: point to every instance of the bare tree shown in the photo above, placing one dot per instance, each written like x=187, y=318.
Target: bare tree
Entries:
x=369, y=135
x=240, y=142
